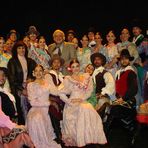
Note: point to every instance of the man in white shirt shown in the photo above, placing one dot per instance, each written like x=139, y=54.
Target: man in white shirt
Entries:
x=104, y=81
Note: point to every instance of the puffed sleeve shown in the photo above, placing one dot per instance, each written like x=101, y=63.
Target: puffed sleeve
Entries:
x=33, y=96
x=53, y=89
x=109, y=88
x=65, y=91
x=5, y=121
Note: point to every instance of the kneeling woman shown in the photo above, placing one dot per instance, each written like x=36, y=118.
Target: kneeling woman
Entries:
x=81, y=124
x=38, y=121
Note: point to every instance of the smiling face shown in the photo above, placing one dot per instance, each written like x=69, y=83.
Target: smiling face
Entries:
x=136, y=31
x=42, y=43
x=124, y=35
x=91, y=36
x=124, y=61
x=89, y=69
x=56, y=64
x=58, y=37
x=75, y=68
x=2, y=78
x=38, y=72
x=33, y=37
x=110, y=37
x=26, y=40
x=98, y=39
x=21, y=50
x=84, y=41
x=13, y=37
x=70, y=37
x=97, y=62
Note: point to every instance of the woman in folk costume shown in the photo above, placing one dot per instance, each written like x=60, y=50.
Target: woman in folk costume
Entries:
x=38, y=122
x=81, y=124
x=11, y=134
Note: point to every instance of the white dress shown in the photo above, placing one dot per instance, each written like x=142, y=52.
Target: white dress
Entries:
x=81, y=124
x=38, y=121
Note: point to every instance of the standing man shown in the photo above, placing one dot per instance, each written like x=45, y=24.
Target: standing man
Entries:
x=64, y=49
x=140, y=41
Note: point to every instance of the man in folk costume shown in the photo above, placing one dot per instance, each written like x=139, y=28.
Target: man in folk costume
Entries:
x=105, y=84
x=55, y=77
x=140, y=40
x=7, y=99
x=123, y=110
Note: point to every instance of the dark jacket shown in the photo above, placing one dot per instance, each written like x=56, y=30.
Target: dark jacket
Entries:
x=15, y=73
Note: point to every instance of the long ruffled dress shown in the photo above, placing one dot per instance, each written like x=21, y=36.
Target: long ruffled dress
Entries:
x=38, y=121
x=81, y=124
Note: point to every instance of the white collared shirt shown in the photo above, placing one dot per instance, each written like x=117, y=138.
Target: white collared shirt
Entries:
x=23, y=62
x=109, y=88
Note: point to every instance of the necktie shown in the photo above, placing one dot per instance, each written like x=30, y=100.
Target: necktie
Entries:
x=59, y=51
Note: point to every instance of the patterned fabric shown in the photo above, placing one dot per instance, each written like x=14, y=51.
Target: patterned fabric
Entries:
x=12, y=135
x=83, y=56
x=4, y=58
x=77, y=126
x=38, y=121
x=40, y=57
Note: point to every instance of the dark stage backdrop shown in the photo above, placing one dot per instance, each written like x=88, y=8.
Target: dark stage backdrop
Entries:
x=48, y=15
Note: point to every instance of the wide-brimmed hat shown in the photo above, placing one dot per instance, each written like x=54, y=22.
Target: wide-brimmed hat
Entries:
x=13, y=31
x=100, y=55
x=125, y=53
x=56, y=57
x=32, y=29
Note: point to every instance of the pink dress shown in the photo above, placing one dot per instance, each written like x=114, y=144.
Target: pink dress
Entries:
x=12, y=138
x=81, y=123
x=38, y=120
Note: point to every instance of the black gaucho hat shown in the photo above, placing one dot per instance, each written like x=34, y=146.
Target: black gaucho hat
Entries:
x=125, y=53
x=100, y=55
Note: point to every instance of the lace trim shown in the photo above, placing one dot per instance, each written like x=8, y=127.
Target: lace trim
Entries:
x=81, y=84
x=12, y=135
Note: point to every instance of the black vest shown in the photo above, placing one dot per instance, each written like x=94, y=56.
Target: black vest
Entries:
x=7, y=105
x=54, y=80
x=100, y=83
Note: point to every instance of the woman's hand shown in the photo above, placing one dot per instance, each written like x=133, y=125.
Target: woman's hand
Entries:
x=76, y=100
x=20, y=127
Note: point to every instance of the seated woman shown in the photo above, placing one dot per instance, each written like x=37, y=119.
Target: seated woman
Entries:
x=11, y=134
x=81, y=124
x=92, y=99
x=38, y=122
